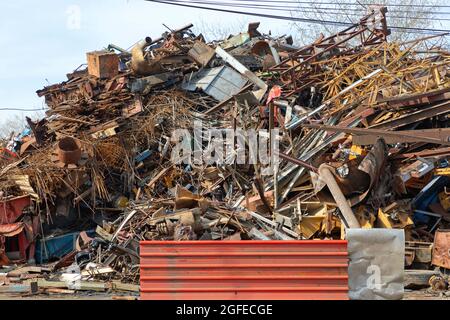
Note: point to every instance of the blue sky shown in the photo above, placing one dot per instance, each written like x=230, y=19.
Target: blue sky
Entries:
x=41, y=42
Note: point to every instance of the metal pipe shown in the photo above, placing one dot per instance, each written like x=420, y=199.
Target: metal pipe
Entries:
x=139, y=64
x=190, y=25
x=297, y=161
x=327, y=176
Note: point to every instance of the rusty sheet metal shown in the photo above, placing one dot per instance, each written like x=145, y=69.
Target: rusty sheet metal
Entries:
x=11, y=209
x=244, y=270
x=201, y=53
x=441, y=249
x=11, y=229
x=359, y=181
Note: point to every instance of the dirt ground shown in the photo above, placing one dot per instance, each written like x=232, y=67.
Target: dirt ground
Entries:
x=424, y=294
x=78, y=296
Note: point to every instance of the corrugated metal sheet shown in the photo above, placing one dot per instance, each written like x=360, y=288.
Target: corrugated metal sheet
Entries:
x=268, y=270
x=220, y=83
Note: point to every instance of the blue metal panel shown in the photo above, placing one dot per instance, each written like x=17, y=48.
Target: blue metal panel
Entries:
x=57, y=247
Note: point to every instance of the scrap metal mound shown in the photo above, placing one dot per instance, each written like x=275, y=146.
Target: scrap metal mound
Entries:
x=363, y=142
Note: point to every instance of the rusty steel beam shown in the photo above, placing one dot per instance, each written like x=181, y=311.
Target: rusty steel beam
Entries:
x=440, y=109
x=442, y=134
x=417, y=98
x=424, y=154
x=399, y=135
x=290, y=67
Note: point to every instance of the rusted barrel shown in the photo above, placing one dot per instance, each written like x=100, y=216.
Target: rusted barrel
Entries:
x=69, y=150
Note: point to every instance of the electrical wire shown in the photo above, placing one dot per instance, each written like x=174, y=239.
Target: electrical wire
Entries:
x=318, y=10
x=297, y=19
x=252, y=13
x=20, y=109
x=254, y=5
x=346, y=3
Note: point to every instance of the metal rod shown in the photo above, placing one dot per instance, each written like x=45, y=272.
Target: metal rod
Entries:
x=336, y=192
x=297, y=161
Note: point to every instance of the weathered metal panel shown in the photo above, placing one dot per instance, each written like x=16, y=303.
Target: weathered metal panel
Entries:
x=244, y=270
x=441, y=249
x=201, y=53
x=376, y=266
x=220, y=83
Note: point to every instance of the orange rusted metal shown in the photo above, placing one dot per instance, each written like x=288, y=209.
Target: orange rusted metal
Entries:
x=244, y=270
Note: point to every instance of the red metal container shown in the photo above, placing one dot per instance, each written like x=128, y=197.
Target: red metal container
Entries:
x=244, y=270
x=10, y=210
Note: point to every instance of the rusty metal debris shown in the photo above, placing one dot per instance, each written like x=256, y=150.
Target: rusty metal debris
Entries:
x=362, y=143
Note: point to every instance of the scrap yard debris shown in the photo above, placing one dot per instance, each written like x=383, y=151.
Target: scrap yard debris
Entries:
x=363, y=142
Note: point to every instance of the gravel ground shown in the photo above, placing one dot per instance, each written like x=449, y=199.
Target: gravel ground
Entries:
x=78, y=296
x=424, y=294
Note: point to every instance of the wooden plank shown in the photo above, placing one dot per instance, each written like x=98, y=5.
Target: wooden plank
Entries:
x=18, y=272
x=42, y=283
x=59, y=291
x=124, y=298
x=97, y=270
x=78, y=285
x=116, y=285
x=15, y=288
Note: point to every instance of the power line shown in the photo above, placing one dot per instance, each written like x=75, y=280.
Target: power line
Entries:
x=20, y=109
x=293, y=8
x=252, y=13
x=271, y=16
x=347, y=3
x=318, y=10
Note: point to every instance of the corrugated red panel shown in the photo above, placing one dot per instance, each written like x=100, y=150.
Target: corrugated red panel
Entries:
x=244, y=270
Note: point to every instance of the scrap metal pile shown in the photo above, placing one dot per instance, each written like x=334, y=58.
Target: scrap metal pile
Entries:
x=362, y=142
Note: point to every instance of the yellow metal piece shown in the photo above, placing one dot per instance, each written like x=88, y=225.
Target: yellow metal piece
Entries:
x=405, y=221
x=330, y=224
x=122, y=202
x=342, y=231
x=385, y=221
x=365, y=219
x=356, y=151
x=383, y=117
x=444, y=199
x=442, y=172
x=310, y=225
x=437, y=76
x=319, y=220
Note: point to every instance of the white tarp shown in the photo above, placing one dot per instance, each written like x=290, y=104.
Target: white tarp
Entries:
x=376, y=264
